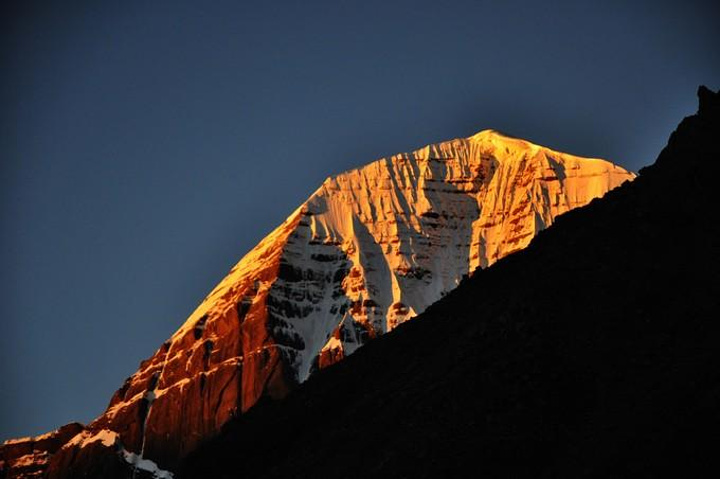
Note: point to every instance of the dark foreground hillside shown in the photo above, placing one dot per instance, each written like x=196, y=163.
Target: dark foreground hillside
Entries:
x=593, y=353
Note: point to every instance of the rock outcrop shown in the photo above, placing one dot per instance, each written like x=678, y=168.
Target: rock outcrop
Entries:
x=370, y=249
x=29, y=456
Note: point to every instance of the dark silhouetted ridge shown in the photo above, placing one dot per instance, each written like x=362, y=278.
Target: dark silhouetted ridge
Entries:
x=592, y=353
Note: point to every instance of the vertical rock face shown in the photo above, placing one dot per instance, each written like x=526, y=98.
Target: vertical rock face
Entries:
x=370, y=249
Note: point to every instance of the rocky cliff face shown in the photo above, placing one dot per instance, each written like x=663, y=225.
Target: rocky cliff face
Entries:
x=370, y=249
x=29, y=456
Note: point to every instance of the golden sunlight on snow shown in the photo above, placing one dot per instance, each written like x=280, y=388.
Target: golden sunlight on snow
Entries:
x=369, y=249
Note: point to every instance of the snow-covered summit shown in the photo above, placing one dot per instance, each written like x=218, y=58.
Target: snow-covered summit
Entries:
x=369, y=249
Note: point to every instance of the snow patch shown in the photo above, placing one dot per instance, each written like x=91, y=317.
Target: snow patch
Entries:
x=17, y=440
x=146, y=465
x=106, y=436
x=29, y=460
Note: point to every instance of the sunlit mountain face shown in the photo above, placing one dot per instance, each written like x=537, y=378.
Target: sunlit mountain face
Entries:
x=591, y=353
x=370, y=249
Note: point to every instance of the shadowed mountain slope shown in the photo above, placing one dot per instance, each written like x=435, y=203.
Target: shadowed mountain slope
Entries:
x=592, y=353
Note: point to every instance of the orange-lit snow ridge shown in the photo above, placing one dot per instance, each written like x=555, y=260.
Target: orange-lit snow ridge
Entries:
x=369, y=249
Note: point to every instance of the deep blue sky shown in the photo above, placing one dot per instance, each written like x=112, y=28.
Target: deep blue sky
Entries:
x=146, y=146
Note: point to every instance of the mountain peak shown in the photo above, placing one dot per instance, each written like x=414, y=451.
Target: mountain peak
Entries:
x=370, y=249
x=492, y=133
x=492, y=137
x=591, y=354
